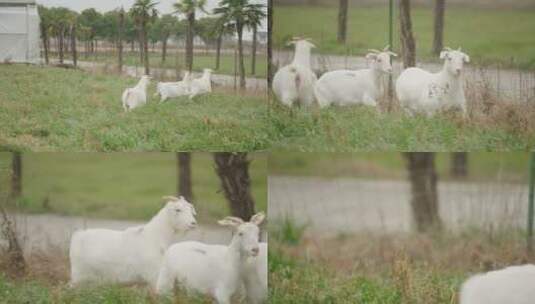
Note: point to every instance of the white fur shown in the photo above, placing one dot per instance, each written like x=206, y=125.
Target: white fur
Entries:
x=511, y=285
x=214, y=270
x=174, y=89
x=132, y=255
x=136, y=96
x=347, y=87
x=255, y=276
x=421, y=91
x=295, y=82
x=201, y=85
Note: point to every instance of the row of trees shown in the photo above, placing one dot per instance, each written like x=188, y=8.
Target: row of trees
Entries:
x=438, y=12
x=143, y=24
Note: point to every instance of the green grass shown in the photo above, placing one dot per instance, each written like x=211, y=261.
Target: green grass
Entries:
x=123, y=185
x=481, y=165
x=39, y=292
x=200, y=62
x=487, y=35
x=337, y=129
x=54, y=109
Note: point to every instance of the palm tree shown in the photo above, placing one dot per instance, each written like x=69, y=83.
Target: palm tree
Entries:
x=144, y=12
x=188, y=9
x=242, y=14
x=164, y=27
x=44, y=15
x=222, y=28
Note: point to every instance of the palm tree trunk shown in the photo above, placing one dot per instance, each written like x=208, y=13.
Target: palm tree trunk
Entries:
x=140, y=38
x=424, y=201
x=73, y=45
x=253, y=55
x=233, y=171
x=189, y=41
x=146, y=49
x=440, y=6
x=164, y=48
x=61, y=36
x=184, y=175
x=459, y=164
x=270, y=46
x=239, y=29
x=16, y=176
x=342, y=21
x=408, y=46
x=44, y=37
x=218, y=50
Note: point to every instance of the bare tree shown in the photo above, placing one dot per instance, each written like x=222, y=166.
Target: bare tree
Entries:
x=408, y=46
x=184, y=175
x=439, y=10
x=424, y=201
x=233, y=171
x=459, y=164
x=342, y=21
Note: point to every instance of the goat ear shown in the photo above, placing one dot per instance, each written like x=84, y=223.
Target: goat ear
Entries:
x=230, y=221
x=393, y=54
x=371, y=56
x=443, y=54
x=466, y=58
x=258, y=218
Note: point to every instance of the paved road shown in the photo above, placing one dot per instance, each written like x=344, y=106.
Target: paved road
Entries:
x=514, y=83
x=330, y=206
x=42, y=231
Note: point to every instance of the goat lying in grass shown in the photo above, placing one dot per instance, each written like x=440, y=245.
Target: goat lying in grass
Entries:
x=133, y=255
x=214, y=270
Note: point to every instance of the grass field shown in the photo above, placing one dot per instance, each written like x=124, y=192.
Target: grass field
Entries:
x=55, y=109
x=200, y=62
x=338, y=129
x=123, y=185
x=510, y=166
x=386, y=269
x=480, y=32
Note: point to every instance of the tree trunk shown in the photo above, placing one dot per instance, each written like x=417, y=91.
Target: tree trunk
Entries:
x=120, y=42
x=239, y=29
x=189, y=41
x=44, y=36
x=440, y=6
x=15, y=257
x=253, y=55
x=73, y=45
x=218, y=51
x=342, y=21
x=184, y=175
x=424, y=201
x=233, y=171
x=164, y=48
x=408, y=46
x=146, y=49
x=61, y=33
x=16, y=176
x=140, y=38
x=459, y=164
x=270, y=46
x=132, y=46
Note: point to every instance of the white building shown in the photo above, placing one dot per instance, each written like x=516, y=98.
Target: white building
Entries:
x=19, y=31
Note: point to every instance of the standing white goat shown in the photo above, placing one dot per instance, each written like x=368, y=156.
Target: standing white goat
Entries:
x=421, y=91
x=201, y=85
x=511, y=285
x=215, y=270
x=295, y=82
x=347, y=87
x=136, y=96
x=132, y=255
x=174, y=89
x=255, y=276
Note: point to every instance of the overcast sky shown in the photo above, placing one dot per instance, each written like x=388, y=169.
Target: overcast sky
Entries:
x=164, y=6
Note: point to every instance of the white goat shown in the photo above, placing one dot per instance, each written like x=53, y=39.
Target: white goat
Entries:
x=136, y=96
x=132, y=255
x=421, y=91
x=347, y=87
x=174, y=89
x=255, y=275
x=201, y=85
x=511, y=285
x=295, y=82
x=215, y=270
